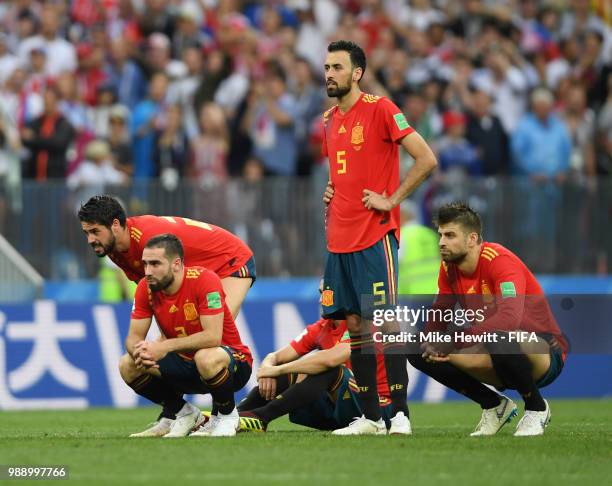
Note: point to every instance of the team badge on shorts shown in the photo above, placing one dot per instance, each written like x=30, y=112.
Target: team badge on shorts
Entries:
x=357, y=137
x=190, y=311
x=327, y=297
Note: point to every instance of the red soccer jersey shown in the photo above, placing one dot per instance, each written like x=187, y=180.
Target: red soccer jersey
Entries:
x=503, y=284
x=324, y=335
x=178, y=315
x=363, y=152
x=205, y=245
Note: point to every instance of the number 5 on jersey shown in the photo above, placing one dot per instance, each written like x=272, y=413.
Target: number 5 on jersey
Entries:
x=341, y=161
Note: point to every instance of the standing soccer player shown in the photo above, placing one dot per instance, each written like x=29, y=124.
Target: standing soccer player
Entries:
x=361, y=138
x=201, y=353
x=111, y=233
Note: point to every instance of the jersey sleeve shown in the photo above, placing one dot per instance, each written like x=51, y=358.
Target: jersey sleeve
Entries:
x=509, y=282
x=142, y=309
x=210, y=294
x=394, y=124
x=307, y=341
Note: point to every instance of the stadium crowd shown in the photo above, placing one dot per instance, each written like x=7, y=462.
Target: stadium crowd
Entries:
x=109, y=92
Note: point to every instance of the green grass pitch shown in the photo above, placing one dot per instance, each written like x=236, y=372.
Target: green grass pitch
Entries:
x=577, y=449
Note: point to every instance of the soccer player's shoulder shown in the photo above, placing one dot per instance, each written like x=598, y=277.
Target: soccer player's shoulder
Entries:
x=492, y=251
x=202, y=276
x=327, y=114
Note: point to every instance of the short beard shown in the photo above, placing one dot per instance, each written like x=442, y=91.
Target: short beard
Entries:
x=457, y=259
x=338, y=91
x=108, y=249
x=162, y=284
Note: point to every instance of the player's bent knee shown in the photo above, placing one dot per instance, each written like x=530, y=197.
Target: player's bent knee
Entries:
x=127, y=368
x=210, y=361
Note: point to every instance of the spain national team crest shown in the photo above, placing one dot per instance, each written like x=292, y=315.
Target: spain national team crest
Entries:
x=357, y=136
x=327, y=297
x=190, y=311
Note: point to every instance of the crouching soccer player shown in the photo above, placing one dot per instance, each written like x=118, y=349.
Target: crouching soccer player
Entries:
x=488, y=277
x=201, y=351
x=317, y=390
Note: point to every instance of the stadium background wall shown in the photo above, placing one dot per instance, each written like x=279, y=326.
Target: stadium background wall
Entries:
x=61, y=355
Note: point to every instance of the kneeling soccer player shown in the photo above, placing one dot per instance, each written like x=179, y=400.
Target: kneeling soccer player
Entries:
x=317, y=390
x=489, y=278
x=201, y=350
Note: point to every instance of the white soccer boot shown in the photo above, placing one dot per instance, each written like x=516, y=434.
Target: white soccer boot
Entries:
x=533, y=422
x=400, y=425
x=187, y=418
x=227, y=425
x=158, y=429
x=205, y=429
x=363, y=426
x=493, y=419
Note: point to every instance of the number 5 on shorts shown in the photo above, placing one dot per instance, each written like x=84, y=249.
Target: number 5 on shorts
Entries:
x=378, y=289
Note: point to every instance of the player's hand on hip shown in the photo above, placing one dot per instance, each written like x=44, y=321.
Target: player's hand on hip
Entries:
x=329, y=193
x=267, y=388
x=373, y=200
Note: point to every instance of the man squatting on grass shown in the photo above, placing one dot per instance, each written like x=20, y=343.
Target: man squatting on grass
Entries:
x=486, y=276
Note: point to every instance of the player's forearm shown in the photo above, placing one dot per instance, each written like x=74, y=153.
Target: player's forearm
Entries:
x=315, y=363
x=130, y=343
x=270, y=360
x=422, y=167
x=200, y=340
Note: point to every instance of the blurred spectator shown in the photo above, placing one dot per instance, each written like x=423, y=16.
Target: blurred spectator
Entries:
x=148, y=116
x=531, y=156
x=75, y=111
x=208, y=167
x=309, y=105
x=580, y=123
x=561, y=67
x=417, y=14
x=270, y=118
x=125, y=74
x=181, y=92
x=310, y=43
x=119, y=139
x=188, y=34
x=58, y=49
x=159, y=59
x=217, y=70
x=171, y=149
x=48, y=138
x=415, y=109
x=8, y=62
x=485, y=132
x=506, y=83
x=455, y=152
x=155, y=16
x=95, y=173
x=25, y=25
x=91, y=74
x=37, y=70
x=393, y=76
x=210, y=148
x=23, y=105
x=99, y=113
